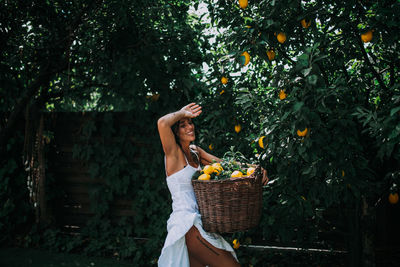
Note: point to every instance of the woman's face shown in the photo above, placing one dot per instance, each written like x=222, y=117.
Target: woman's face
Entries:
x=185, y=131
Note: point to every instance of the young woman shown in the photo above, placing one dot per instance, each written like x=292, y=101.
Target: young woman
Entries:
x=187, y=244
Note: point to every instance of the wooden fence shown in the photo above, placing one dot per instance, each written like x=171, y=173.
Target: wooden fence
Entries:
x=71, y=176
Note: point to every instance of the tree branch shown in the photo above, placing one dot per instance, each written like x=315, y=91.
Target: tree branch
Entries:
x=321, y=67
x=17, y=111
x=374, y=72
x=384, y=70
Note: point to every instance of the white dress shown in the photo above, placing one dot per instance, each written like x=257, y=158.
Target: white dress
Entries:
x=184, y=215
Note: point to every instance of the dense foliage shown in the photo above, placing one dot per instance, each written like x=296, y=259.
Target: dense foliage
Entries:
x=326, y=99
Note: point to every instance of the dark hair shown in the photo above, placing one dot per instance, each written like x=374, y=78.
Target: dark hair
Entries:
x=193, y=153
x=174, y=129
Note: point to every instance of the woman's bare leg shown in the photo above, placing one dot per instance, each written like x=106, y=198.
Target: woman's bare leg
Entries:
x=205, y=253
x=194, y=262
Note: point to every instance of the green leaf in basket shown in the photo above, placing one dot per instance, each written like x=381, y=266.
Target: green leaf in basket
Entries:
x=196, y=175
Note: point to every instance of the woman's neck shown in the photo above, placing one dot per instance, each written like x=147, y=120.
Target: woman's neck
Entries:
x=185, y=147
x=186, y=150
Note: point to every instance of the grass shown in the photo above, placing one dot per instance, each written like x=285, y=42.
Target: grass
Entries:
x=24, y=257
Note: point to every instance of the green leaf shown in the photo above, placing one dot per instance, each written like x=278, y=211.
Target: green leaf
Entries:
x=297, y=106
x=312, y=79
x=307, y=170
x=284, y=117
x=242, y=60
x=320, y=58
x=307, y=71
x=394, y=110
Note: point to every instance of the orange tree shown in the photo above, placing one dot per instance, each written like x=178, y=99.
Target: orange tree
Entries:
x=322, y=86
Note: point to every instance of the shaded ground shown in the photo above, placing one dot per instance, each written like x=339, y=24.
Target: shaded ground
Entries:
x=24, y=257
x=27, y=257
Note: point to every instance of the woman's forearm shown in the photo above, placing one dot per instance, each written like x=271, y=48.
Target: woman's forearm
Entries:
x=171, y=118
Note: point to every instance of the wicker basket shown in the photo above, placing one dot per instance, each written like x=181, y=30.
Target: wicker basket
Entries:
x=230, y=205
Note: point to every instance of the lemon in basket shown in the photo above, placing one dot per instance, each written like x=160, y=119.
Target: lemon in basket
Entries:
x=250, y=170
x=208, y=169
x=204, y=177
x=217, y=168
x=236, y=174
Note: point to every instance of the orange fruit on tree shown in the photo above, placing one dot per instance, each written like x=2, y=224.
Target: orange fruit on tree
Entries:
x=246, y=56
x=302, y=133
x=236, y=244
x=243, y=3
x=238, y=128
x=204, y=177
x=211, y=147
x=271, y=54
x=367, y=36
x=208, y=169
x=305, y=23
x=393, y=198
x=224, y=80
x=236, y=174
x=155, y=97
x=282, y=94
x=281, y=37
x=261, y=141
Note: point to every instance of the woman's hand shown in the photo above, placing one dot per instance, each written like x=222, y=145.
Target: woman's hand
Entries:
x=265, y=179
x=192, y=110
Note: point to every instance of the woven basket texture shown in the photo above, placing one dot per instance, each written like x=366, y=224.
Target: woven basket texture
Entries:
x=230, y=205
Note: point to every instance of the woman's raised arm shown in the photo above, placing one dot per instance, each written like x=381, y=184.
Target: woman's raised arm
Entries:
x=165, y=122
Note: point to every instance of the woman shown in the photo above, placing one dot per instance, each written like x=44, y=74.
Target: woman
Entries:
x=187, y=243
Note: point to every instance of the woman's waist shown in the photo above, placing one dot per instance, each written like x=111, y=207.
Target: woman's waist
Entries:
x=188, y=207
x=184, y=201
x=184, y=186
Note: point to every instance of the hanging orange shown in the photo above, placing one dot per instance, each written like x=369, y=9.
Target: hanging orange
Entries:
x=305, y=23
x=238, y=128
x=302, y=133
x=243, y=3
x=367, y=36
x=271, y=54
x=281, y=37
x=393, y=198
